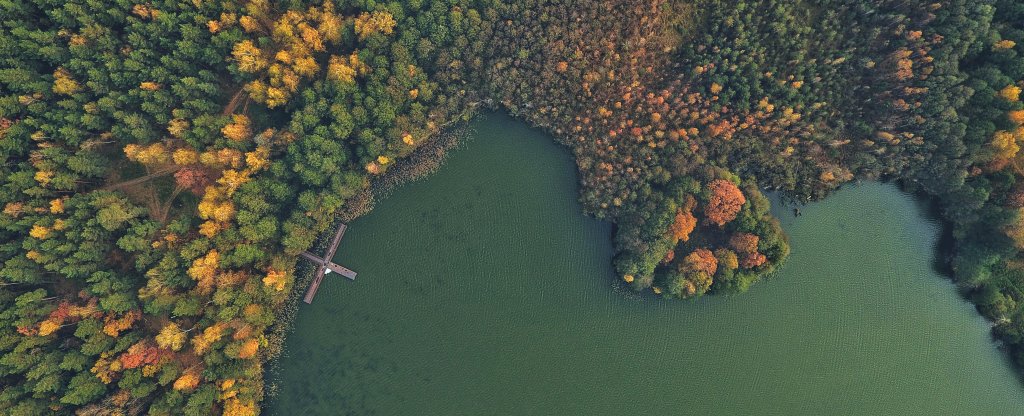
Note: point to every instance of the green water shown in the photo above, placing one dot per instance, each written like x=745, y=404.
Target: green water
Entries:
x=484, y=290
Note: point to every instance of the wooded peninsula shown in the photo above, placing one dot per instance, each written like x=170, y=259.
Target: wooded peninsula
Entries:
x=166, y=162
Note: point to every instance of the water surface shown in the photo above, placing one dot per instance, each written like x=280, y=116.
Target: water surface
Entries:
x=484, y=290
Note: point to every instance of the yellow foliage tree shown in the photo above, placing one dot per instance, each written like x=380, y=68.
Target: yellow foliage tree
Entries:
x=248, y=349
x=1004, y=145
x=249, y=23
x=275, y=279
x=275, y=97
x=229, y=157
x=57, y=206
x=1011, y=93
x=171, y=337
x=330, y=24
x=63, y=83
x=145, y=11
x=377, y=22
x=235, y=407
x=48, y=327
x=305, y=66
x=296, y=36
x=177, y=127
x=155, y=153
x=106, y=369
x=187, y=381
x=211, y=334
x=311, y=38
x=249, y=57
x=239, y=129
x=204, y=269
x=43, y=177
x=114, y=325
x=185, y=157
x=1004, y=44
x=339, y=70
x=224, y=212
x=231, y=179
x=39, y=232
x=258, y=159
x=209, y=228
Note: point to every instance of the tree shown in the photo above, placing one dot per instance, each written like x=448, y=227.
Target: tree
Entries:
x=377, y=22
x=339, y=70
x=203, y=270
x=249, y=57
x=744, y=243
x=248, y=349
x=683, y=224
x=700, y=260
x=63, y=83
x=275, y=279
x=727, y=259
x=193, y=178
x=724, y=202
x=1016, y=117
x=1004, y=147
x=171, y=337
x=753, y=260
x=239, y=129
x=188, y=381
x=1010, y=93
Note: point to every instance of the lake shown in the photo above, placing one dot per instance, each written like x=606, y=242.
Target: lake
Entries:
x=483, y=289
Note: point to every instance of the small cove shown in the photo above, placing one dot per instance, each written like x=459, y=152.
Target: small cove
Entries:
x=483, y=289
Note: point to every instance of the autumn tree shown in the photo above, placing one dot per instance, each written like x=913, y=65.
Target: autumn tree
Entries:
x=724, y=201
x=377, y=22
x=700, y=260
x=171, y=337
x=683, y=225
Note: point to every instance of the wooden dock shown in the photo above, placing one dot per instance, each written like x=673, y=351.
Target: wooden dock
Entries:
x=325, y=265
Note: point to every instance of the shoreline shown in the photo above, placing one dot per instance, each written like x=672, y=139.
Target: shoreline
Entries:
x=424, y=161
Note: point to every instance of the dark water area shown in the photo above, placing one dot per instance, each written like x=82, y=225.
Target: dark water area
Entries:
x=483, y=289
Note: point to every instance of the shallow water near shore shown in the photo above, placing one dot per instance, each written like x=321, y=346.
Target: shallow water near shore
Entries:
x=483, y=289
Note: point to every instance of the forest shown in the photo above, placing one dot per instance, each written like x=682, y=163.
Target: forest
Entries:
x=164, y=162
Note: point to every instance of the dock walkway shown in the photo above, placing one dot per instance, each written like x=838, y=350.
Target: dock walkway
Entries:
x=325, y=265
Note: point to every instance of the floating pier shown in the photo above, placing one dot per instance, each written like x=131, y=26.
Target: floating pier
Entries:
x=325, y=265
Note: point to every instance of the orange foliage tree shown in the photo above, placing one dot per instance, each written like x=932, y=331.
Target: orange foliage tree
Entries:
x=701, y=260
x=683, y=225
x=724, y=202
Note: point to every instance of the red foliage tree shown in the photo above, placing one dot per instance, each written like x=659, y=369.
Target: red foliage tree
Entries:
x=744, y=243
x=671, y=255
x=193, y=178
x=142, y=353
x=752, y=260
